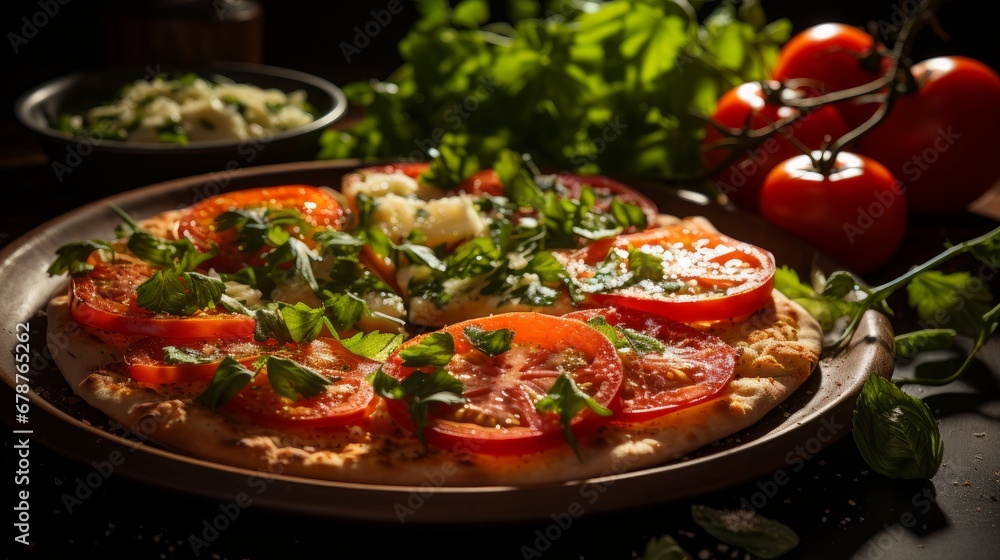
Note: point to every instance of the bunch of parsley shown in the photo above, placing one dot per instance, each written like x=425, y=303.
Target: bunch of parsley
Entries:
x=611, y=87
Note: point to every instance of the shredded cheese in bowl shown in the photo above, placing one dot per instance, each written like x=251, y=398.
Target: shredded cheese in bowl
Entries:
x=190, y=109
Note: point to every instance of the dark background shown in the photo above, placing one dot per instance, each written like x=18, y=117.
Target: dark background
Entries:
x=307, y=35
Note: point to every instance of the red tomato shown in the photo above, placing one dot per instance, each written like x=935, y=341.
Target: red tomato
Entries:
x=940, y=140
x=499, y=415
x=318, y=207
x=146, y=361
x=105, y=298
x=833, y=57
x=694, y=367
x=484, y=181
x=705, y=276
x=349, y=400
x=747, y=105
x=855, y=214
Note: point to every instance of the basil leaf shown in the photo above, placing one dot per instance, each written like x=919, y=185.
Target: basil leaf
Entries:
x=423, y=389
x=600, y=323
x=491, y=343
x=304, y=323
x=419, y=390
x=301, y=257
x=166, y=291
x=229, y=379
x=895, y=432
x=435, y=349
x=188, y=356
x=664, y=548
x=271, y=323
x=292, y=380
x=642, y=343
x=344, y=310
x=519, y=185
x=421, y=254
x=748, y=530
x=566, y=399
x=73, y=257
x=645, y=266
x=168, y=253
x=374, y=345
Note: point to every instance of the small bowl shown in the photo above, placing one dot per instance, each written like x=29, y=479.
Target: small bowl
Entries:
x=103, y=166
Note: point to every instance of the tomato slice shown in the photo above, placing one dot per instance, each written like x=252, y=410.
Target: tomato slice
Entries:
x=694, y=366
x=706, y=276
x=146, y=360
x=105, y=298
x=349, y=400
x=318, y=208
x=499, y=415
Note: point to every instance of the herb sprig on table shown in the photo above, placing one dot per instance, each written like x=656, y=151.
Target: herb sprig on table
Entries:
x=896, y=432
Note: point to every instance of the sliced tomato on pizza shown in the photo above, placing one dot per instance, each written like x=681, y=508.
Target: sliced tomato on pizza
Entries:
x=504, y=365
x=668, y=365
x=106, y=297
x=243, y=224
x=680, y=272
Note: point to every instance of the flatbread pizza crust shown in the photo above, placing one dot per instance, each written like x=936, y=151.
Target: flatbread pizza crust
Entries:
x=777, y=348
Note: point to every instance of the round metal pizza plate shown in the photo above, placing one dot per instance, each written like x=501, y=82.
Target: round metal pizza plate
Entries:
x=812, y=418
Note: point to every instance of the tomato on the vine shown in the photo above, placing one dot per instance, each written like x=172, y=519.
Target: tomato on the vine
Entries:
x=748, y=105
x=833, y=57
x=940, y=139
x=855, y=213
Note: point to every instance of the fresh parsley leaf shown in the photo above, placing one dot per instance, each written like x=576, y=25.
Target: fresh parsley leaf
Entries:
x=956, y=300
x=171, y=291
x=566, y=399
x=271, y=323
x=374, y=345
x=421, y=254
x=910, y=344
x=664, y=548
x=492, y=343
x=754, y=533
x=229, y=379
x=896, y=433
x=344, y=310
x=645, y=266
x=453, y=165
x=304, y=323
x=518, y=182
x=187, y=356
x=600, y=323
x=368, y=232
x=419, y=390
x=301, y=257
x=826, y=309
x=434, y=349
x=73, y=257
x=292, y=380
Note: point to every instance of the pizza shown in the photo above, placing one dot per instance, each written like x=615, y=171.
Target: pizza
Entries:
x=418, y=322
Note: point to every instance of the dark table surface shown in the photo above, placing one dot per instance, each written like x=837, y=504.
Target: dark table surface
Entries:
x=834, y=501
